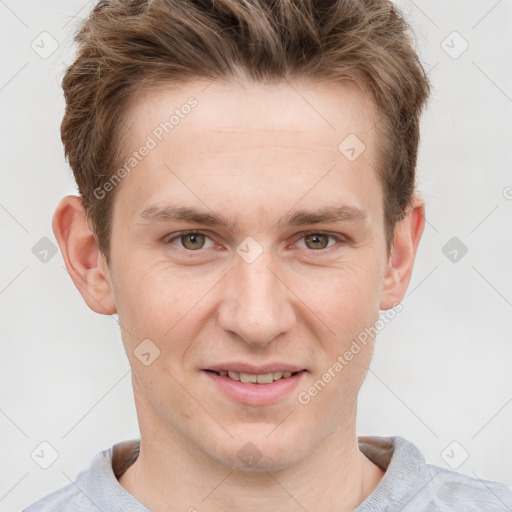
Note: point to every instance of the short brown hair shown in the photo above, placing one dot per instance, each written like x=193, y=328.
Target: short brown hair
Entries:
x=125, y=46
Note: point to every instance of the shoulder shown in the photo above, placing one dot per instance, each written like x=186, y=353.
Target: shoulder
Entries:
x=410, y=484
x=79, y=494
x=95, y=488
x=451, y=489
x=67, y=499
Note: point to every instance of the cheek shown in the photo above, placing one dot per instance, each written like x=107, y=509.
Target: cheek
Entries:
x=164, y=306
x=150, y=298
x=346, y=300
x=347, y=304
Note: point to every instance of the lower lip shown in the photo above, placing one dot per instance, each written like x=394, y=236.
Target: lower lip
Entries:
x=256, y=394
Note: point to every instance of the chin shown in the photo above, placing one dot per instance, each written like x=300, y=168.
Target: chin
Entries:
x=259, y=453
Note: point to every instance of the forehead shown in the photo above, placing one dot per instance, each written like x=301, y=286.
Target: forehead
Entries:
x=321, y=112
x=251, y=138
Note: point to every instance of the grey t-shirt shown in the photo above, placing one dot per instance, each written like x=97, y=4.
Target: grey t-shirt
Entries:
x=408, y=485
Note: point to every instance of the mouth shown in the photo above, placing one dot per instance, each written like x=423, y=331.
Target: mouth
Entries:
x=255, y=389
x=251, y=378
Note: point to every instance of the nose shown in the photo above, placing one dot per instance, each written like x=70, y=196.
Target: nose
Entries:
x=256, y=303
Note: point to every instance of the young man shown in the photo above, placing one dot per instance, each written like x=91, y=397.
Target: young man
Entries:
x=247, y=206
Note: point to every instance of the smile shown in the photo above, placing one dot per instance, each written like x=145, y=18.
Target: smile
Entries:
x=256, y=389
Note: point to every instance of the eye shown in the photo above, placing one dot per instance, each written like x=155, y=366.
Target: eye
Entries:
x=194, y=241
x=191, y=240
x=319, y=241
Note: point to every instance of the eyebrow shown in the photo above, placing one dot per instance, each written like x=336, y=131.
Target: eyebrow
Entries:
x=165, y=214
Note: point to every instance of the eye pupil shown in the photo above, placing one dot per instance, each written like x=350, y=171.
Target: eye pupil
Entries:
x=193, y=238
x=316, y=239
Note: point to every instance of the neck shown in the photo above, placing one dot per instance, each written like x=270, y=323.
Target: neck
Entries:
x=169, y=476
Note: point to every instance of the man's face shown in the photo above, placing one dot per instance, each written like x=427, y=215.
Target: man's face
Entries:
x=261, y=292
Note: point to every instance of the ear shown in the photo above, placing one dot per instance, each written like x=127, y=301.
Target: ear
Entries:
x=403, y=252
x=84, y=261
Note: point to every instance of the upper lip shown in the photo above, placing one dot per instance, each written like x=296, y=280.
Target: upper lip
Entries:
x=256, y=370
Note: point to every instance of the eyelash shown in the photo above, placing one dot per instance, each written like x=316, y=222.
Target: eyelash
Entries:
x=339, y=240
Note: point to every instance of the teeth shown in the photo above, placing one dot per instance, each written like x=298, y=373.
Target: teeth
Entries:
x=265, y=378
x=247, y=377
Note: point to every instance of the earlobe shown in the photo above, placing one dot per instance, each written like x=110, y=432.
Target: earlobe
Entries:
x=82, y=256
x=406, y=240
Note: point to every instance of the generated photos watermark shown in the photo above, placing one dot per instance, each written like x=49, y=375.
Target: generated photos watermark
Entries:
x=151, y=142
x=360, y=341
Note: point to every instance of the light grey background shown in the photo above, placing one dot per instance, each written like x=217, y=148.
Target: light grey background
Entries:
x=441, y=370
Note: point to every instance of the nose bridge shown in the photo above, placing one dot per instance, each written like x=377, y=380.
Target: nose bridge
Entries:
x=255, y=302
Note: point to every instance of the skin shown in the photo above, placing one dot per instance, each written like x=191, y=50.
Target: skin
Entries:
x=255, y=153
